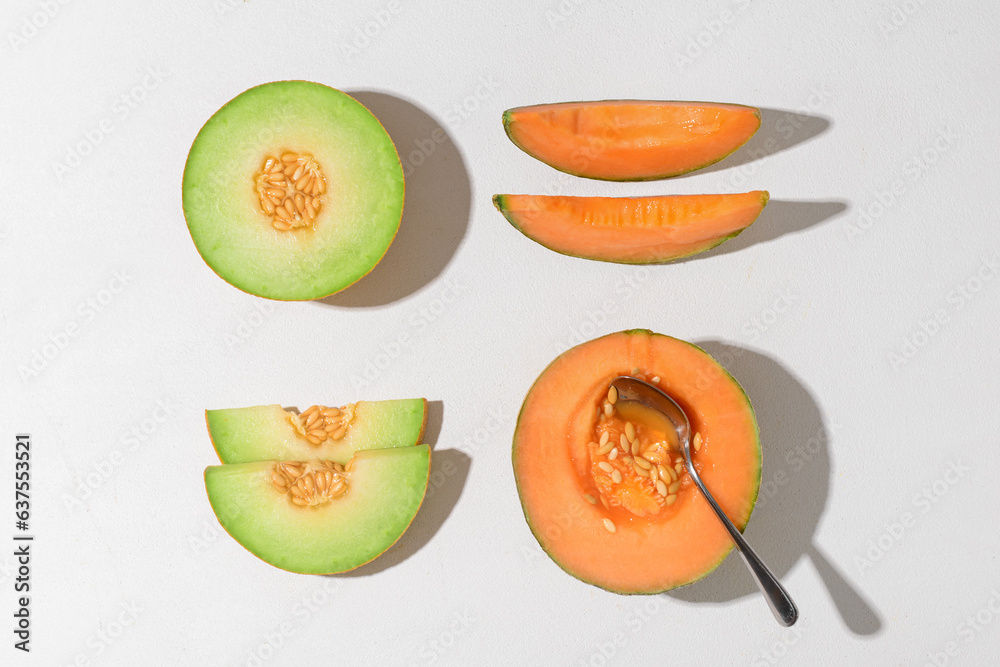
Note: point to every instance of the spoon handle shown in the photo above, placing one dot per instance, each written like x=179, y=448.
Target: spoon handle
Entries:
x=777, y=597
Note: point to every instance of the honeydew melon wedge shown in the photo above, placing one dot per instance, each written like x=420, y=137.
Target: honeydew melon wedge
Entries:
x=383, y=491
x=269, y=432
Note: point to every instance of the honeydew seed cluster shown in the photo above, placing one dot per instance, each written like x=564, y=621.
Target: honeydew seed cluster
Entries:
x=310, y=484
x=650, y=461
x=320, y=423
x=315, y=483
x=290, y=189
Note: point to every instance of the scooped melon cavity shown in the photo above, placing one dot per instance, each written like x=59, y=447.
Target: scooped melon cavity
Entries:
x=635, y=466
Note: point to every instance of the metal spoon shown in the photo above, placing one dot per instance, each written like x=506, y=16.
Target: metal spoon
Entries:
x=633, y=390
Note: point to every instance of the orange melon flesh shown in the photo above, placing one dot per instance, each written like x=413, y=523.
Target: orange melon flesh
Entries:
x=632, y=230
x=553, y=467
x=627, y=140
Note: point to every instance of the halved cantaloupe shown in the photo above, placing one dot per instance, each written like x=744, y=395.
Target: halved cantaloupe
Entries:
x=632, y=230
x=335, y=520
x=630, y=140
x=266, y=432
x=593, y=505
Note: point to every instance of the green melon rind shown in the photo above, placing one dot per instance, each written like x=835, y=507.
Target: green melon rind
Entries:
x=507, y=129
x=499, y=202
x=362, y=208
x=387, y=488
x=264, y=433
x=740, y=524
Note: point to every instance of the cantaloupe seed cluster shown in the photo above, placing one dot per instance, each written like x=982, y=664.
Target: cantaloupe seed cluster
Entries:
x=319, y=423
x=290, y=190
x=631, y=470
x=310, y=483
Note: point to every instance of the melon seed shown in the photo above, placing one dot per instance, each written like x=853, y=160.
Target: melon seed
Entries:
x=290, y=196
x=309, y=484
x=320, y=423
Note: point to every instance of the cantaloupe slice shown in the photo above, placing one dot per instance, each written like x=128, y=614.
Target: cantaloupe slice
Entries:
x=630, y=140
x=632, y=230
x=579, y=474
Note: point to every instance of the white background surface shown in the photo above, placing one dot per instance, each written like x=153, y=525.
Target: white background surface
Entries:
x=883, y=212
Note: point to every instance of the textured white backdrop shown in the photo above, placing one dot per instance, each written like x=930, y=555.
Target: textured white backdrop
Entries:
x=859, y=312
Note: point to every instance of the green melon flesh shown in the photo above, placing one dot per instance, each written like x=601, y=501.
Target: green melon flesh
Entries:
x=361, y=208
x=264, y=432
x=386, y=488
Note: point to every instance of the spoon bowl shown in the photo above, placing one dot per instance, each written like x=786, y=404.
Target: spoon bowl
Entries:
x=651, y=400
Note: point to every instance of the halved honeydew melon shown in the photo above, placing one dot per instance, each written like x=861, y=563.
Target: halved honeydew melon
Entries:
x=292, y=191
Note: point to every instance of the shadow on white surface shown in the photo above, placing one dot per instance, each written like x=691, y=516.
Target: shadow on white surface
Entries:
x=856, y=611
x=795, y=483
x=435, y=417
x=780, y=217
x=449, y=470
x=435, y=212
x=780, y=129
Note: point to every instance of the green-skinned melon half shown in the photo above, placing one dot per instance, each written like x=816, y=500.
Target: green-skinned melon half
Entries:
x=292, y=191
x=607, y=495
x=322, y=491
